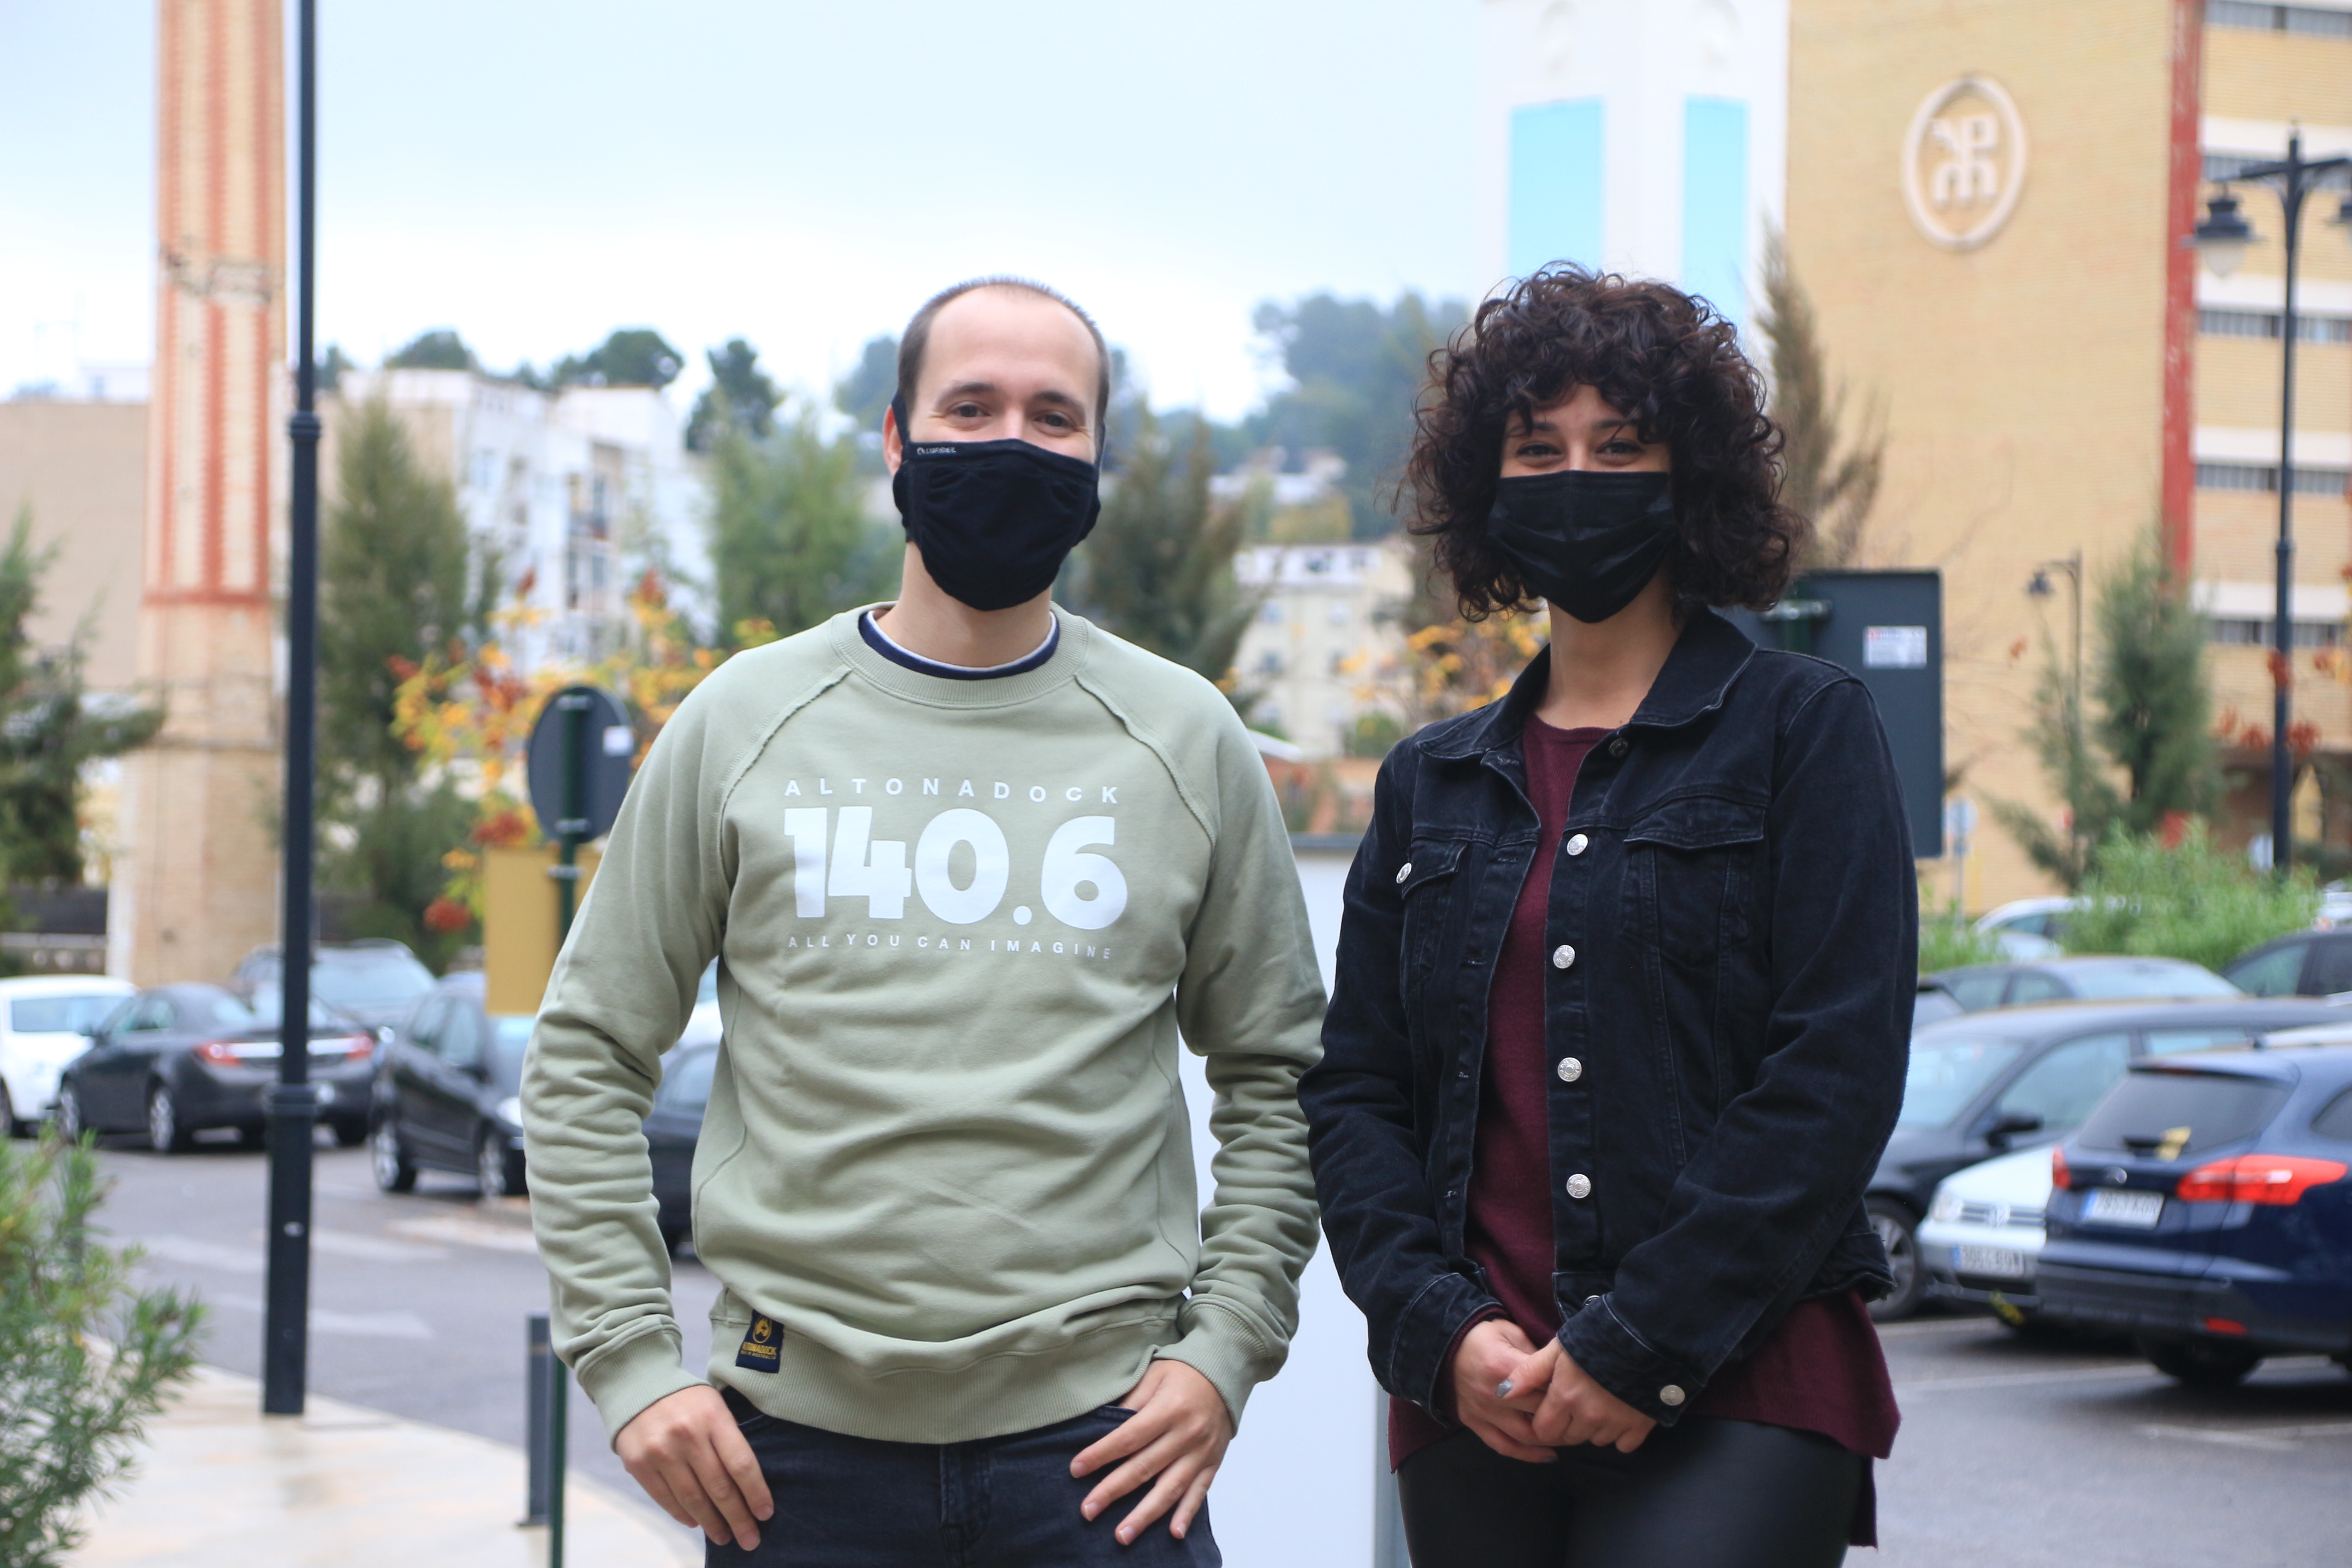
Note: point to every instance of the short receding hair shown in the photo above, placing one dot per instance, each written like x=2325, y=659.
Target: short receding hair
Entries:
x=917, y=338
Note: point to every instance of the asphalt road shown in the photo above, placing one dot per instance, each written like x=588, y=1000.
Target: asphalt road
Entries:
x=2012, y=1450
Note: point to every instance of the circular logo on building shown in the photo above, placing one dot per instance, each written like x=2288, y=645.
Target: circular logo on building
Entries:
x=1963, y=163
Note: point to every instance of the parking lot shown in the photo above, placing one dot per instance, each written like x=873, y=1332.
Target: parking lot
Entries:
x=2015, y=1450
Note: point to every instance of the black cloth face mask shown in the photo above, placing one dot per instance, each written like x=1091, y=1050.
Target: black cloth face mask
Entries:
x=994, y=520
x=1588, y=541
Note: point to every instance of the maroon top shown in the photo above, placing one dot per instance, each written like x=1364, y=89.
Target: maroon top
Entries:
x=1820, y=1371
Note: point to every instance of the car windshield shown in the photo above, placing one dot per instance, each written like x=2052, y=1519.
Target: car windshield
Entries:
x=510, y=1039
x=59, y=1014
x=2157, y=977
x=369, y=979
x=2171, y=1114
x=1947, y=1072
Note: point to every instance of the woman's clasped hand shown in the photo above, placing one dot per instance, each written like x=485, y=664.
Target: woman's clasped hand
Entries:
x=1524, y=1401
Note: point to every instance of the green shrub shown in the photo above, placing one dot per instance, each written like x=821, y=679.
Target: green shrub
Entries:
x=2194, y=901
x=1946, y=941
x=71, y=1407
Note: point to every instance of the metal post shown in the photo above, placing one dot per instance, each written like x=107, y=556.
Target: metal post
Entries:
x=574, y=823
x=538, y=1406
x=559, y=1438
x=291, y=1109
x=2282, y=629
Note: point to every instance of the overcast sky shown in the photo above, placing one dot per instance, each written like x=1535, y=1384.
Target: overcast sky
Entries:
x=535, y=174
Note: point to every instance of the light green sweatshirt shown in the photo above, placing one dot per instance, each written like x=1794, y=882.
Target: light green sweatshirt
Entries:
x=947, y=1157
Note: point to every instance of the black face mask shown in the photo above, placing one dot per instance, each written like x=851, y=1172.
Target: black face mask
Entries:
x=1587, y=542
x=994, y=520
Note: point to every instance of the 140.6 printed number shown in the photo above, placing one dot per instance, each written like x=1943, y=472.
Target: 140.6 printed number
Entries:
x=1078, y=888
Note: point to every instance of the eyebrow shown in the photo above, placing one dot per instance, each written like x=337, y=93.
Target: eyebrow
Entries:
x=1598, y=425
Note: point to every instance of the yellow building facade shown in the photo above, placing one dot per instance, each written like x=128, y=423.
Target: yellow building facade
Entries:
x=1991, y=206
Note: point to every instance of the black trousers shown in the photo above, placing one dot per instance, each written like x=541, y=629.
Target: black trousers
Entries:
x=1702, y=1494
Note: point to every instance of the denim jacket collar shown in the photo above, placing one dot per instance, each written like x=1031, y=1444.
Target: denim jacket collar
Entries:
x=1707, y=656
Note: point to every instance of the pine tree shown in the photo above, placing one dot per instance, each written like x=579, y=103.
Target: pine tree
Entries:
x=1159, y=568
x=1828, y=477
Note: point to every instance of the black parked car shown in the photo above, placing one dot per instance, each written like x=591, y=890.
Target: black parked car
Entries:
x=180, y=1059
x=1987, y=1082
x=447, y=1092
x=2204, y=1206
x=376, y=980
x=1979, y=986
x=671, y=1129
x=2301, y=964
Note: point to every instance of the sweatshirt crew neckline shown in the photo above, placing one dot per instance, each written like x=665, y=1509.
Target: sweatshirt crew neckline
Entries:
x=1060, y=661
x=869, y=626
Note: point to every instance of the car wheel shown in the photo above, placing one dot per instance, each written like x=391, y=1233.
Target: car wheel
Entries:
x=67, y=1115
x=165, y=1134
x=9, y=1126
x=494, y=1171
x=2202, y=1364
x=1895, y=1224
x=253, y=1137
x=350, y=1132
x=388, y=1157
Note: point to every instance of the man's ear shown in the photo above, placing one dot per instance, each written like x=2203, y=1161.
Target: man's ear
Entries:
x=894, y=440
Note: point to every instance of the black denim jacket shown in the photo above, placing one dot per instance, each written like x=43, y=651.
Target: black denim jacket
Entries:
x=1734, y=943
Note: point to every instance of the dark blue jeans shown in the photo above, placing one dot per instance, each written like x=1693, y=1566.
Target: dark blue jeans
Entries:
x=999, y=1502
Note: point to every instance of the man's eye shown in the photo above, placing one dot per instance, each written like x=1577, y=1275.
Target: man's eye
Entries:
x=966, y=411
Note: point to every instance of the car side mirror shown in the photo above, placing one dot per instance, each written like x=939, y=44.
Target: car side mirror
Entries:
x=2011, y=1124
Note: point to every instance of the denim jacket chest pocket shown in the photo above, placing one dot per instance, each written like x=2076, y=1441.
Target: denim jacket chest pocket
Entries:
x=1693, y=869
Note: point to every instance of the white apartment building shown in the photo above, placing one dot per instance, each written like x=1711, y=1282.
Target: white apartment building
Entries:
x=579, y=491
x=1327, y=645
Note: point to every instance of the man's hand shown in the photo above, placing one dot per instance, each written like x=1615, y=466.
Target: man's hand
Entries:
x=1568, y=1408
x=1487, y=1355
x=688, y=1453
x=1178, y=1433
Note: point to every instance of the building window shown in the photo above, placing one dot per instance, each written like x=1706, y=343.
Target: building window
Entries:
x=1553, y=189
x=2309, y=19
x=1271, y=613
x=2265, y=325
x=2257, y=634
x=2221, y=166
x=2263, y=478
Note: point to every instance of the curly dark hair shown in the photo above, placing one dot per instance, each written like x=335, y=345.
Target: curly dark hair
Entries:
x=1659, y=355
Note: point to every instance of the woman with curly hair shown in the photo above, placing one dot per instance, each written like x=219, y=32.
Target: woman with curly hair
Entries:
x=1625, y=984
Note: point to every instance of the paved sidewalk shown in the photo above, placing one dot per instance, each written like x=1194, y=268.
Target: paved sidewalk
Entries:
x=219, y=1486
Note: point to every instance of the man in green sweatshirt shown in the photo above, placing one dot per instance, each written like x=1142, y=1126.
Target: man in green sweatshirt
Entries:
x=969, y=864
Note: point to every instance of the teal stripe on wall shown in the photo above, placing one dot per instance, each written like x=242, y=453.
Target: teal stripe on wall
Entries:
x=1555, y=194
x=1715, y=203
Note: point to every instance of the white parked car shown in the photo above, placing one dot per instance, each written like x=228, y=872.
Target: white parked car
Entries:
x=44, y=1020
x=2027, y=929
x=1984, y=1233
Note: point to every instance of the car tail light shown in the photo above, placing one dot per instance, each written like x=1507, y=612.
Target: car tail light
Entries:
x=219, y=1054
x=2224, y=1326
x=359, y=1047
x=2060, y=1176
x=2257, y=1179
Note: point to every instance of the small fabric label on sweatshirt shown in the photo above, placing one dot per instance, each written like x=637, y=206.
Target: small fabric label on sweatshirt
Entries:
x=759, y=1352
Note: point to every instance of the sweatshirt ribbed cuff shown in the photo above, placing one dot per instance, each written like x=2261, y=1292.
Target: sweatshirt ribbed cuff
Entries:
x=1221, y=1346
x=622, y=1379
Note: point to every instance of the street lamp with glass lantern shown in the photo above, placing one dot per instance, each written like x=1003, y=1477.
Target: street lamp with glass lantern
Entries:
x=2223, y=239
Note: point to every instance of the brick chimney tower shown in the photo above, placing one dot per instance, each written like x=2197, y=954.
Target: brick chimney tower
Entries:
x=199, y=886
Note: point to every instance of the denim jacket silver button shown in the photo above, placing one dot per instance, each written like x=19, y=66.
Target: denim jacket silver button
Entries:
x=1571, y=1069
x=1576, y=843
x=1618, y=747
x=1562, y=956
x=1671, y=1395
x=1579, y=1185
x=1402, y=872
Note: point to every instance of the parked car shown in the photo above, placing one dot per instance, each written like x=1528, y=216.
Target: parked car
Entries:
x=376, y=981
x=672, y=1128
x=2301, y=964
x=1978, y=987
x=1935, y=1003
x=1983, y=1232
x=45, y=1021
x=179, y=1059
x=446, y=1094
x=2028, y=929
x=1985, y=1083
x=2204, y=1208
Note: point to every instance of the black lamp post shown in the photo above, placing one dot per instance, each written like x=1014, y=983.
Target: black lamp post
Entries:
x=292, y=1104
x=2223, y=238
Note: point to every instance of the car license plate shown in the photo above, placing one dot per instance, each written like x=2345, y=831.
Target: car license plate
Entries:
x=1996, y=1261
x=2125, y=1211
